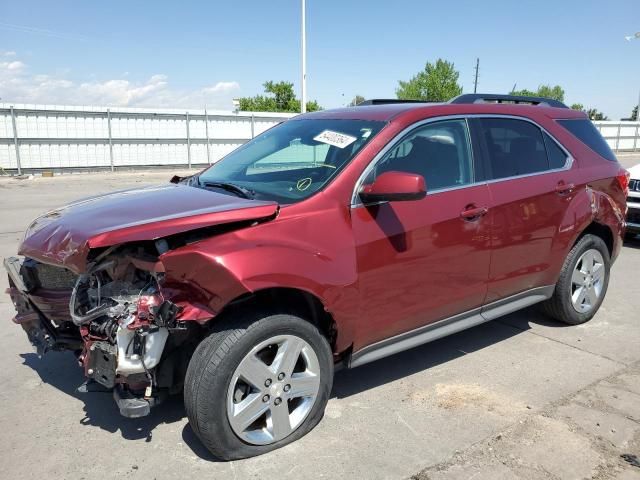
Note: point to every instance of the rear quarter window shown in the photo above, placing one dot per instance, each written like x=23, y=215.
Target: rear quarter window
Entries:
x=557, y=156
x=588, y=134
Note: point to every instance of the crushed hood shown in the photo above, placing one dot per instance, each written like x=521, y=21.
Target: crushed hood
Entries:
x=65, y=235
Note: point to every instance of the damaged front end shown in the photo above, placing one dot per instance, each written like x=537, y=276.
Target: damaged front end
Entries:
x=91, y=280
x=126, y=335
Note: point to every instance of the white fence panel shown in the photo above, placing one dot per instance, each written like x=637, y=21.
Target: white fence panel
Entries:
x=621, y=136
x=64, y=137
x=67, y=137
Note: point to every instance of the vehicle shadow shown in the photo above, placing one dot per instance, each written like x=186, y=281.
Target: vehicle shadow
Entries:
x=424, y=357
x=60, y=370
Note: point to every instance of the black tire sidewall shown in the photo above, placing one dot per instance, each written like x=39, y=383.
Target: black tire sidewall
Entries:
x=564, y=286
x=213, y=426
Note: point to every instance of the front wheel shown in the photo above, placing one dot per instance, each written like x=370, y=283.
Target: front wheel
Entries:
x=258, y=383
x=582, y=284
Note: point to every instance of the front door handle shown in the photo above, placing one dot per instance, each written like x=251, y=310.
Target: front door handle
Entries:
x=472, y=212
x=565, y=188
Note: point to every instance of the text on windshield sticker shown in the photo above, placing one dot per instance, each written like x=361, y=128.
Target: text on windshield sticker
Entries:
x=336, y=139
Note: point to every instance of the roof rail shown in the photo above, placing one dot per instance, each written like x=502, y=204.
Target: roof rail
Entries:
x=384, y=101
x=498, y=98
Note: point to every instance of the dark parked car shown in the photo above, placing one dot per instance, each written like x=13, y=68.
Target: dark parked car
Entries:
x=334, y=239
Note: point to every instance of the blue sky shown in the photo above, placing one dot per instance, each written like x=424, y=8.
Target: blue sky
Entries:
x=186, y=54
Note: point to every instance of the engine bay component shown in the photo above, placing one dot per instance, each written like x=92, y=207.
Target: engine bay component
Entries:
x=139, y=350
x=123, y=323
x=102, y=363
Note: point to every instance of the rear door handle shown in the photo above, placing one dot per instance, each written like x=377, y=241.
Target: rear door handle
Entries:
x=565, y=188
x=473, y=213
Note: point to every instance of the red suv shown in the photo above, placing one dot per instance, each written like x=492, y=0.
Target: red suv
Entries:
x=333, y=239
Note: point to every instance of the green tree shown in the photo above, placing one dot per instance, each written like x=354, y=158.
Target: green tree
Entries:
x=436, y=83
x=592, y=113
x=547, y=91
x=312, y=106
x=356, y=100
x=279, y=97
x=634, y=113
x=595, y=114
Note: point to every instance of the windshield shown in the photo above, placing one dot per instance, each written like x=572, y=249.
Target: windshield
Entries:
x=291, y=161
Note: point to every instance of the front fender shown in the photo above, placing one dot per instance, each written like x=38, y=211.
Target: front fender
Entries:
x=314, y=253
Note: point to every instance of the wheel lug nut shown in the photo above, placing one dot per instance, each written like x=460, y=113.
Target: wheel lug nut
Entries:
x=287, y=388
x=267, y=382
x=280, y=375
x=277, y=401
x=265, y=398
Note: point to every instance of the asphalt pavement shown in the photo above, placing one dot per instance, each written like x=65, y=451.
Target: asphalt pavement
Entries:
x=520, y=397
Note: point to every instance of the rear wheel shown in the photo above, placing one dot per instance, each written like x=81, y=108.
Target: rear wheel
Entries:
x=257, y=384
x=582, y=284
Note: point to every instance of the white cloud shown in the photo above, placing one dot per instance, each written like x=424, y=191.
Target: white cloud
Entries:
x=222, y=87
x=15, y=65
x=19, y=86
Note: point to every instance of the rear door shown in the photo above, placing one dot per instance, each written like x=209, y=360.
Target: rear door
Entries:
x=529, y=181
x=422, y=261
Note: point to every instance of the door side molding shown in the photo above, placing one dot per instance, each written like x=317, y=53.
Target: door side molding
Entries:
x=448, y=326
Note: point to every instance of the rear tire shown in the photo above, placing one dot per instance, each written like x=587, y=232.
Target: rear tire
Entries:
x=225, y=391
x=582, y=284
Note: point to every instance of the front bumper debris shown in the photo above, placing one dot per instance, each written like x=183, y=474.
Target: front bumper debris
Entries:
x=121, y=347
x=12, y=265
x=132, y=406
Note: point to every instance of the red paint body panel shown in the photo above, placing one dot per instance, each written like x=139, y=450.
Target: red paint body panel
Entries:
x=527, y=213
x=378, y=271
x=64, y=236
x=419, y=262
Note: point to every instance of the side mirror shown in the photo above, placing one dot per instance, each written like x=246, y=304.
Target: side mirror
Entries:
x=394, y=187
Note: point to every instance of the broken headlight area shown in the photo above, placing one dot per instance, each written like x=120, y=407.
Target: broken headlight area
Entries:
x=125, y=333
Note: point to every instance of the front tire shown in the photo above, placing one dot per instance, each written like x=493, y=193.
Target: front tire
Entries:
x=582, y=284
x=258, y=383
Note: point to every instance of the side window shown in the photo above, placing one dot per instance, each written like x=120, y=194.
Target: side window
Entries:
x=557, y=157
x=515, y=147
x=438, y=151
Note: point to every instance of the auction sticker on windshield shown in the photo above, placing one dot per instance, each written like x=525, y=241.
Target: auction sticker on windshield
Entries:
x=336, y=139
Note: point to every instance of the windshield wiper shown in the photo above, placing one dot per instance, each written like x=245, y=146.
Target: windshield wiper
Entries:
x=229, y=187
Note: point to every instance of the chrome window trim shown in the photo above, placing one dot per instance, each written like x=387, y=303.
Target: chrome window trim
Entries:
x=355, y=199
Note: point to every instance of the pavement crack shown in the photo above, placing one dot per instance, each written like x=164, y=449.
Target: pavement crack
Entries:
x=530, y=331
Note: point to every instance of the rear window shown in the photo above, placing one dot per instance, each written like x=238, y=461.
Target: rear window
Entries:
x=588, y=134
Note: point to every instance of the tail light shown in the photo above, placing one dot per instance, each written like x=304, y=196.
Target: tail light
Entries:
x=623, y=179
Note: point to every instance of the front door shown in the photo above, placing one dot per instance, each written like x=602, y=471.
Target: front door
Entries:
x=426, y=260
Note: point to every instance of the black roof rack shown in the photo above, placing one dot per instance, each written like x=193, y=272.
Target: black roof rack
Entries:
x=384, y=101
x=497, y=98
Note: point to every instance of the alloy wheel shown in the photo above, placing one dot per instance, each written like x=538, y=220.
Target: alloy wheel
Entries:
x=273, y=389
x=587, y=281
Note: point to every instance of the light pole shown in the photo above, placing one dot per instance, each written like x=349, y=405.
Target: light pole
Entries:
x=635, y=36
x=303, y=101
